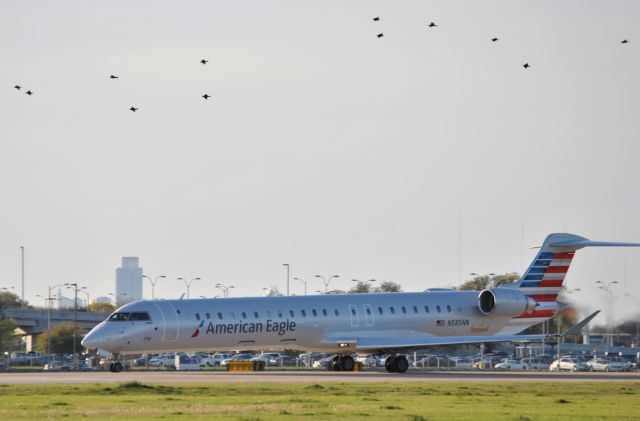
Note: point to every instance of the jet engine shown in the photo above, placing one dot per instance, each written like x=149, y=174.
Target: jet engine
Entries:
x=504, y=302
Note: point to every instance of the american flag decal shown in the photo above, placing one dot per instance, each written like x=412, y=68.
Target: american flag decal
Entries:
x=439, y=322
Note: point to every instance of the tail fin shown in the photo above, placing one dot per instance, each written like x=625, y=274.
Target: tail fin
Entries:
x=543, y=279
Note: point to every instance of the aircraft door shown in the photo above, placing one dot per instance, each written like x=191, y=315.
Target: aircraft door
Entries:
x=170, y=318
x=368, y=314
x=353, y=313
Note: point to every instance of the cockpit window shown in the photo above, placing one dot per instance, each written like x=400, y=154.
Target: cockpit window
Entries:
x=139, y=316
x=119, y=317
x=123, y=317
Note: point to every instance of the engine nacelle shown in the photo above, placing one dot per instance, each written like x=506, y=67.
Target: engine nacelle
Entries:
x=504, y=302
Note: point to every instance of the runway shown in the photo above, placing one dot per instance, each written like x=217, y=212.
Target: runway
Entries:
x=305, y=377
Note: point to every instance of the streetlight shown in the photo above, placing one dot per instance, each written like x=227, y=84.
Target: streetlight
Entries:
x=84, y=291
x=50, y=299
x=153, y=284
x=188, y=283
x=304, y=282
x=287, y=265
x=606, y=287
x=326, y=281
x=224, y=288
x=74, y=286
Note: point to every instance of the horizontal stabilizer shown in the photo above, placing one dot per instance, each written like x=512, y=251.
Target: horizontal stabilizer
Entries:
x=578, y=327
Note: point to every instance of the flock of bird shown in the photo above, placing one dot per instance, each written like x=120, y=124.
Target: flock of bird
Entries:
x=494, y=39
x=112, y=77
x=206, y=96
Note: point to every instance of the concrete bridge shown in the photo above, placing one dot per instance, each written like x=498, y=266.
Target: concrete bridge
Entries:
x=31, y=323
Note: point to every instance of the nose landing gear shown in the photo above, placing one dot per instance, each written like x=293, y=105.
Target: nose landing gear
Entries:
x=115, y=366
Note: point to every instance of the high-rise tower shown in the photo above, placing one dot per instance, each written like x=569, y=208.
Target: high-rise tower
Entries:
x=128, y=281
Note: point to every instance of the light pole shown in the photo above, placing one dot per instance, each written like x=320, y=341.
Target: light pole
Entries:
x=153, y=284
x=606, y=287
x=326, y=281
x=188, y=283
x=84, y=291
x=74, y=286
x=304, y=282
x=287, y=265
x=225, y=289
x=22, y=298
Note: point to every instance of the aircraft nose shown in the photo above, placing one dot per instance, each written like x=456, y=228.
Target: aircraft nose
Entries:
x=93, y=339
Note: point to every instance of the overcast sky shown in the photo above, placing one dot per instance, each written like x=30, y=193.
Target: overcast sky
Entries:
x=322, y=146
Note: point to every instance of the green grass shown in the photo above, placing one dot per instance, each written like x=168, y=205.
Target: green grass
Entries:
x=411, y=401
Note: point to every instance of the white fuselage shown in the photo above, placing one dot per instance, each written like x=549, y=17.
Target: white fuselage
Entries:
x=296, y=322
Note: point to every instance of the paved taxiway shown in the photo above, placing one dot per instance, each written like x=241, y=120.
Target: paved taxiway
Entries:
x=303, y=377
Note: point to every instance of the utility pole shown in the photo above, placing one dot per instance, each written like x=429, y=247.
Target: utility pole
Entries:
x=74, y=285
x=304, y=282
x=22, y=298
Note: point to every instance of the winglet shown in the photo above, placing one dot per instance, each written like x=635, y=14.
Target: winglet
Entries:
x=575, y=329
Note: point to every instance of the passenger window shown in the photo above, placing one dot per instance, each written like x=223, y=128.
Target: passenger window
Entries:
x=392, y=310
x=208, y=316
x=336, y=312
x=304, y=313
x=404, y=310
x=255, y=314
x=220, y=316
x=380, y=310
x=426, y=309
x=438, y=308
x=280, y=314
x=314, y=312
x=233, y=315
x=244, y=315
x=353, y=311
x=197, y=316
x=291, y=313
x=324, y=312
x=415, y=309
x=269, y=313
x=449, y=308
x=368, y=310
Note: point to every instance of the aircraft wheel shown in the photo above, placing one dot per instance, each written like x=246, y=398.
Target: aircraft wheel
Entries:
x=111, y=367
x=335, y=364
x=390, y=365
x=401, y=364
x=117, y=367
x=346, y=363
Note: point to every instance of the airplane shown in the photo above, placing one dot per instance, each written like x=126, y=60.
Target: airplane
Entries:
x=345, y=324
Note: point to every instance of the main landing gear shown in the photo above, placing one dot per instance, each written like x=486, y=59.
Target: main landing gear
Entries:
x=396, y=364
x=342, y=363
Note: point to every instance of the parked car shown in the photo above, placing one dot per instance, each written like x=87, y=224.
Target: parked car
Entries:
x=568, y=364
x=236, y=357
x=310, y=357
x=269, y=358
x=602, y=364
x=325, y=362
x=509, y=364
x=215, y=360
x=163, y=360
x=58, y=365
x=535, y=363
x=367, y=360
x=462, y=363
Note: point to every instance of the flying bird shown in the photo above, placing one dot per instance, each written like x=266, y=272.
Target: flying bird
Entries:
x=526, y=65
x=203, y=61
x=29, y=93
x=624, y=41
x=134, y=109
x=494, y=39
x=113, y=77
x=376, y=19
x=380, y=35
x=206, y=96
x=432, y=25
x=18, y=87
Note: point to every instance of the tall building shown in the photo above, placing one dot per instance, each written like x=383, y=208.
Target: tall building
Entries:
x=128, y=281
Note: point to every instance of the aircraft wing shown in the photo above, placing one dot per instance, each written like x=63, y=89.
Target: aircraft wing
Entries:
x=396, y=343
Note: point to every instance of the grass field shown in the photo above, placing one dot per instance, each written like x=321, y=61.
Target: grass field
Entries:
x=411, y=401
